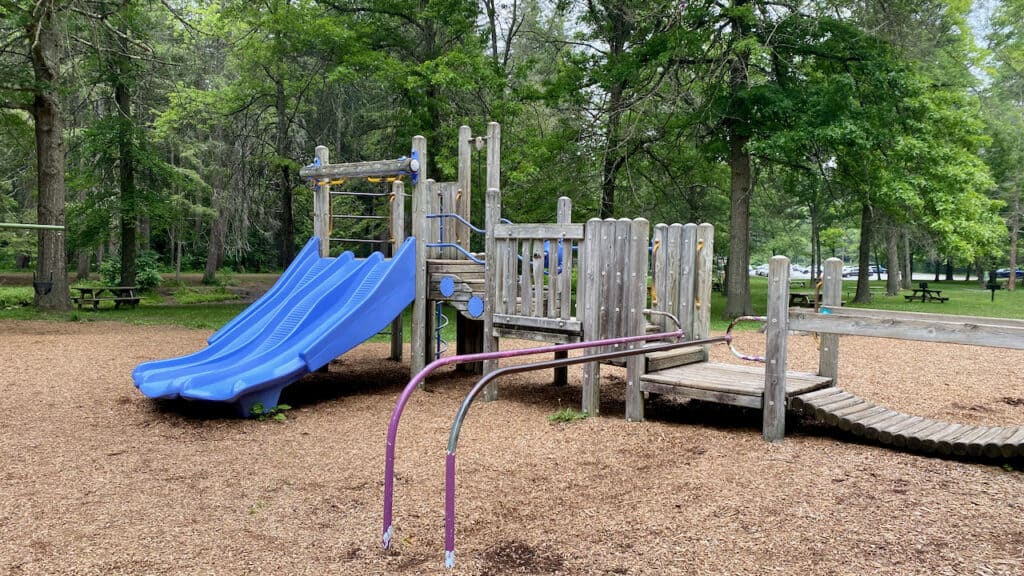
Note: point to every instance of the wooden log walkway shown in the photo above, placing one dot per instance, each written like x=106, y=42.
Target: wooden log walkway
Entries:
x=858, y=416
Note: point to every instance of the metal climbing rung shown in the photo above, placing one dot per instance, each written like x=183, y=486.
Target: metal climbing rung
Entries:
x=354, y=217
x=371, y=194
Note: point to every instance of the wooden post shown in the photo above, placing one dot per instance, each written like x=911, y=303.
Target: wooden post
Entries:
x=492, y=216
x=589, y=294
x=494, y=155
x=831, y=295
x=634, y=322
x=464, y=197
x=773, y=403
x=322, y=207
x=397, y=238
x=702, y=289
x=420, y=205
x=561, y=264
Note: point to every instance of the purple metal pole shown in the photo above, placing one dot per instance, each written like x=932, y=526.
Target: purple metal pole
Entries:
x=403, y=399
x=453, y=437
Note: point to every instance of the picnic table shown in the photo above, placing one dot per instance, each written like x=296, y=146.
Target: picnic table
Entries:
x=805, y=299
x=926, y=295
x=119, y=295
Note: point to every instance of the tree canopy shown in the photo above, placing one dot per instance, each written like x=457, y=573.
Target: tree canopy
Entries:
x=875, y=131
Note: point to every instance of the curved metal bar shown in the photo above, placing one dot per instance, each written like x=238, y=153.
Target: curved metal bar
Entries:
x=460, y=219
x=403, y=399
x=669, y=315
x=460, y=417
x=733, y=349
x=465, y=252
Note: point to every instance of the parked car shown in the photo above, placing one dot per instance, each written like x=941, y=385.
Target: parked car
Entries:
x=761, y=270
x=873, y=269
x=1005, y=273
x=849, y=271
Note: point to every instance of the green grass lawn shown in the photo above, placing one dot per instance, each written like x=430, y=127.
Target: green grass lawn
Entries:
x=207, y=308
x=965, y=299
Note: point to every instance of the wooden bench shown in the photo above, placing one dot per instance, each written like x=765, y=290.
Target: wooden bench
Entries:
x=119, y=295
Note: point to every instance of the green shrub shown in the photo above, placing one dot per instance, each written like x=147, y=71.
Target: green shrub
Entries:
x=147, y=270
x=15, y=297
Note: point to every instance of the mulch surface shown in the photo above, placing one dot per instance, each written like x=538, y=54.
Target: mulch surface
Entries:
x=97, y=479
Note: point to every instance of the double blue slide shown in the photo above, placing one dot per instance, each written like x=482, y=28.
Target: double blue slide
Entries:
x=319, y=309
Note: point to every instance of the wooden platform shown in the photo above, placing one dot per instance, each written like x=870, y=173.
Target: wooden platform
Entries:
x=858, y=416
x=733, y=384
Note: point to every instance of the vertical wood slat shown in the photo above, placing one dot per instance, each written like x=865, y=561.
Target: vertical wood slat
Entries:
x=565, y=274
x=322, y=207
x=685, y=260
x=512, y=276
x=702, y=291
x=553, y=265
x=420, y=206
x=773, y=403
x=588, y=291
x=397, y=238
x=537, y=280
x=525, y=294
x=634, y=323
x=831, y=295
x=447, y=194
x=660, y=274
x=617, y=295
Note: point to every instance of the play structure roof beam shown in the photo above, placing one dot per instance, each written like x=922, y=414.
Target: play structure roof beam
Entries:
x=369, y=169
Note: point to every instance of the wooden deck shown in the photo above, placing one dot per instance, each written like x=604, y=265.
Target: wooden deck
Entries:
x=858, y=416
x=733, y=384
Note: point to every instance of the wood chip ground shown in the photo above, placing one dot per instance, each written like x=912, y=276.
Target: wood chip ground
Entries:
x=97, y=479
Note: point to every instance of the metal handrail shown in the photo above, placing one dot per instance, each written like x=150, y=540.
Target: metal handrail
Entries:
x=453, y=437
x=403, y=399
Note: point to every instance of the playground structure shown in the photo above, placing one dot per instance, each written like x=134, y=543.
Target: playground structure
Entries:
x=558, y=283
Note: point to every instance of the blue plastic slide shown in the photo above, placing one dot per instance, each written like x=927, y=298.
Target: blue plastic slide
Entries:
x=319, y=309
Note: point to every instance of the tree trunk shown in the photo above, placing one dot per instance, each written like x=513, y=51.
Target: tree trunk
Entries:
x=1015, y=226
x=51, y=259
x=287, y=230
x=215, y=247
x=737, y=279
x=126, y=177
x=949, y=268
x=908, y=264
x=82, y=264
x=863, y=295
x=892, y=259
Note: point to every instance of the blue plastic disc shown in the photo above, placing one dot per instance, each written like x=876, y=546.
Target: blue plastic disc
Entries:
x=475, y=306
x=447, y=286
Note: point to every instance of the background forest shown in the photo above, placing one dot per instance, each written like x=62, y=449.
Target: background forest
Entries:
x=888, y=132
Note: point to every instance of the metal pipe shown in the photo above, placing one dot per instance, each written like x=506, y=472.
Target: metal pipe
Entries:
x=460, y=219
x=736, y=352
x=31, y=226
x=453, y=437
x=403, y=399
